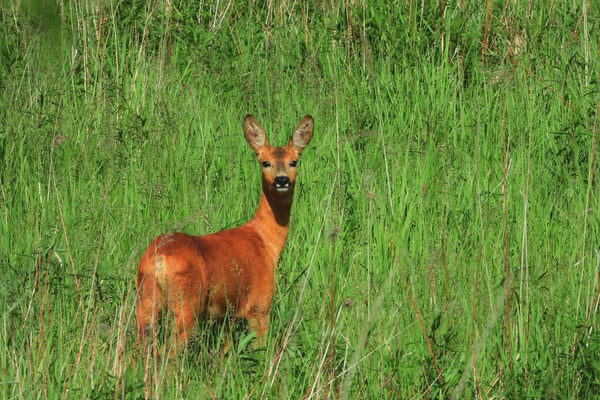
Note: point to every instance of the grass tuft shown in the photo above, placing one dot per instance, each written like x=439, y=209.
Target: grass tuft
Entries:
x=445, y=233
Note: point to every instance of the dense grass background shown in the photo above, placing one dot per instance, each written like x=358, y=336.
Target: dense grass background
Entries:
x=446, y=229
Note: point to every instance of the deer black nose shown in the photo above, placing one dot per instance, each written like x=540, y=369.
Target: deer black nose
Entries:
x=281, y=182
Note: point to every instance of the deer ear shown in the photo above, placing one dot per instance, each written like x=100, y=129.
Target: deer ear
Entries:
x=303, y=133
x=255, y=134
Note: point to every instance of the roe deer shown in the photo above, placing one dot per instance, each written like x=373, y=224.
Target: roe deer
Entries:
x=231, y=271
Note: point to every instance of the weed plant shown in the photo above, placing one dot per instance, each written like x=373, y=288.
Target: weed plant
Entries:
x=445, y=238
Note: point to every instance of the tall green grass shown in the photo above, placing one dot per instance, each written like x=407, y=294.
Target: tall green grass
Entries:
x=445, y=235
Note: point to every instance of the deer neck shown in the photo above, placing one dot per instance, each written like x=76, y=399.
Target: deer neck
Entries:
x=272, y=222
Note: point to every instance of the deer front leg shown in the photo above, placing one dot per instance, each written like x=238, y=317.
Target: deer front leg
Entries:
x=258, y=322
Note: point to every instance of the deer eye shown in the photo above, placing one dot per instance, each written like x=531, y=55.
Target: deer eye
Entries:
x=266, y=164
x=293, y=163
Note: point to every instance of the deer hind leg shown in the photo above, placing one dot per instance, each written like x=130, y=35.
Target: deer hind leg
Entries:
x=185, y=311
x=226, y=325
x=149, y=307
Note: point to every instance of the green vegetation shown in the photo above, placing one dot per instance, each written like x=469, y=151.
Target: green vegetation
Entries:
x=445, y=238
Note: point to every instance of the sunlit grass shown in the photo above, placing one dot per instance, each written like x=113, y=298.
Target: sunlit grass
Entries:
x=445, y=229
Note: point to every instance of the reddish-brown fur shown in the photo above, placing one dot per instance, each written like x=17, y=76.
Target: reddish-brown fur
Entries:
x=232, y=271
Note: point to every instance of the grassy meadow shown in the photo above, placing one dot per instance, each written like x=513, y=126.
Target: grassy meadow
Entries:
x=445, y=238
